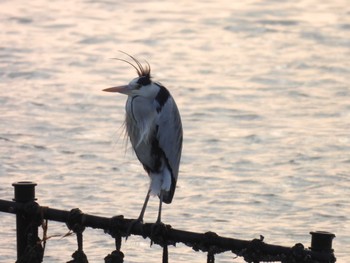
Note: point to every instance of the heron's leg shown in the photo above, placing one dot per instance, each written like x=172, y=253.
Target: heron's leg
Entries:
x=158, y=226
x=140, y=218
x=160, y=207
x=144, y=206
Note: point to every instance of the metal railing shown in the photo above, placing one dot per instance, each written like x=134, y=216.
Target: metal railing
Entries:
x=30, y=248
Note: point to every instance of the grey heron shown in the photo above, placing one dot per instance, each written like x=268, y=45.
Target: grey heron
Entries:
x=154, y=127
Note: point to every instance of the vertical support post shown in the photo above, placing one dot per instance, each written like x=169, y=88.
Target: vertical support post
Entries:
x=321, y=241
x=24, y=192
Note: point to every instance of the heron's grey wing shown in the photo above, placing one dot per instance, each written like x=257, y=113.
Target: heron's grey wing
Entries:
x=169, y=134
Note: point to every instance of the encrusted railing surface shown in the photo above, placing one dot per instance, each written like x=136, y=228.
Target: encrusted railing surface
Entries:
x=30, y=248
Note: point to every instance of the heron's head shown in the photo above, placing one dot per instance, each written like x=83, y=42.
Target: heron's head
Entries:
x=140, y=86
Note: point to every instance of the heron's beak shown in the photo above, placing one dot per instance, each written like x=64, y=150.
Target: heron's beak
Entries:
x=121, y=89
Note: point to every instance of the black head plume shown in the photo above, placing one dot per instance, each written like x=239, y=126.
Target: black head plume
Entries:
x=143, y=71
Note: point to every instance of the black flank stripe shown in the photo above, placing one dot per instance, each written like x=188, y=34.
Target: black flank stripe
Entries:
x=162, y=97
x=157, y=155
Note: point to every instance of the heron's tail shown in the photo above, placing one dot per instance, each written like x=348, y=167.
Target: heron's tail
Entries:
x=168, y=196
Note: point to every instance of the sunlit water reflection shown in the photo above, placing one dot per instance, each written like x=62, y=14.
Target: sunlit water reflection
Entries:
x=263, y=90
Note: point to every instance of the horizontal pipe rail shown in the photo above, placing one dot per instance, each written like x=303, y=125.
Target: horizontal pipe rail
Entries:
x=251, y=250
x=198, y=241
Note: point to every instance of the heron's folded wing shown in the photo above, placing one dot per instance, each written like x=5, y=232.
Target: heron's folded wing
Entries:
x=169, y=134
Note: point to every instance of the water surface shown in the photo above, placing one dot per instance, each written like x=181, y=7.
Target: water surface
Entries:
x=263, y=90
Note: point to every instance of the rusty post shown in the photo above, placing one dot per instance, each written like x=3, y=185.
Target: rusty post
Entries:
x=24, y=193
x=321, y=241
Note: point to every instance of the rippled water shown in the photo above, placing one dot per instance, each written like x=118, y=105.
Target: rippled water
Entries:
x=263, y=90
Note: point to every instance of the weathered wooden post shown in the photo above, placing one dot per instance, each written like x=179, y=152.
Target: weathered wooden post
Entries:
x=27, y=229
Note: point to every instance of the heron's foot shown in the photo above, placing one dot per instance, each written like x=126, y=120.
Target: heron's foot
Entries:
x=132, y=224
x=158, y=230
